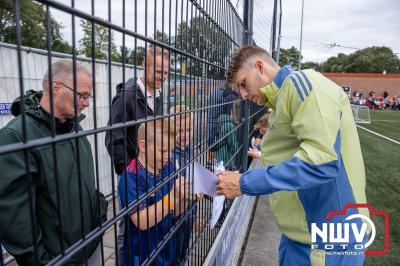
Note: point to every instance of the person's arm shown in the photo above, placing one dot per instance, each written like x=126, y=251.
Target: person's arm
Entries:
x=155, y=212
x=172, y=201
x=316, y=122
x=15, y=217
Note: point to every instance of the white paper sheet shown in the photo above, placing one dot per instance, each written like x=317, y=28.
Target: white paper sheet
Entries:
x=253, y=142
x=204, y=181
x=218, y=206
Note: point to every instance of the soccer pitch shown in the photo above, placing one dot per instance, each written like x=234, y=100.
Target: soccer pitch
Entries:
x=382, y=166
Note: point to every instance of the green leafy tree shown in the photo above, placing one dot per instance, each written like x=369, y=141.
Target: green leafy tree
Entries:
x=289, y=57
x=203, y=40
x=369, y=60
x=337, y=63
x=100, y=42
x=162, y=37
x=311, y=65
x=136, y=57
x=373, y=60
x=33, y=26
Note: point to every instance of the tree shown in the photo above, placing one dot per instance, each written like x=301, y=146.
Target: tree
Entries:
x=162, y=37
x=203, y=40
x=289, y=57
x=369, y=60
x=33, y=26
x=373, y=60
x=337, y=63
x=135, y=57
x=100, y=42
x=311, y=65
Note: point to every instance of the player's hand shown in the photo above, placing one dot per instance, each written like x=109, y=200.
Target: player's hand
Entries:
x=228, y=184
x=254, y=153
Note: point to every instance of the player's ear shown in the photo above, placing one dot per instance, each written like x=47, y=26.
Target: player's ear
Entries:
x=259, y=65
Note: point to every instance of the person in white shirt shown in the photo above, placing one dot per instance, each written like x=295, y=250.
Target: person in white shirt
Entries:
x=137, y=98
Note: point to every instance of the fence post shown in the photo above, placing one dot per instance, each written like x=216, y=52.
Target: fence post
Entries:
x=274, y=22
x=244, y=106
x=278, y=49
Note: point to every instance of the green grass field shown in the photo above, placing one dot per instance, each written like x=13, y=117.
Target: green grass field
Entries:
x=382, y=166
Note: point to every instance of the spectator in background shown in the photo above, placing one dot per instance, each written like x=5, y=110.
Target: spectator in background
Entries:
x=385, y=94
x=385, y=99
x=361, y=94
x=261, y=128
x=219, y=96
x=228, y=137
x=395, y=103
x=57, y=201
x=371, y=103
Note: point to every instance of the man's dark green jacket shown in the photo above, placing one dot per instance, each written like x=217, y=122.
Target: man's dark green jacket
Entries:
x=63, y=204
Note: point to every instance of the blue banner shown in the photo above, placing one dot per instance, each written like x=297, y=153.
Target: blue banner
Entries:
x=5, y=108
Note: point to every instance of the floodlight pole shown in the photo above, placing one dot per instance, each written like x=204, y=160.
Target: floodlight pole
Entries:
x=301, y=32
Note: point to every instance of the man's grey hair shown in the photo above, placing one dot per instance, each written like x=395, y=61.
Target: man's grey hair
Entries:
x=62, y=70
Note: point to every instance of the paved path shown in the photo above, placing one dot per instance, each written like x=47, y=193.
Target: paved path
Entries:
x=263, y=241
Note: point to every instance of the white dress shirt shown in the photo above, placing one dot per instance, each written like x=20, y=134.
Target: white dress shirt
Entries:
x=149, y=98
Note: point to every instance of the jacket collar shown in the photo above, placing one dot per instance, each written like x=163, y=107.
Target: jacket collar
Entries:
x=282, y=74
x=271, y=91
x=33, y=108
x=61, y=127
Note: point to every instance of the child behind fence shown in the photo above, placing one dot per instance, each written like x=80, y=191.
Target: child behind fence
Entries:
x=152, y=219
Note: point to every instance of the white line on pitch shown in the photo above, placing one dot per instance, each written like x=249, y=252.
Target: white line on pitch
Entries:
x=396, y=121
x=382, y=136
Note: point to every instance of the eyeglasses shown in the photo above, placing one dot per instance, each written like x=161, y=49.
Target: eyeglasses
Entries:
x=82, y=97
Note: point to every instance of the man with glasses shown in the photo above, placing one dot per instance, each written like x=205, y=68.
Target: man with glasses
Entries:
x=83, y=97
x=48, y=197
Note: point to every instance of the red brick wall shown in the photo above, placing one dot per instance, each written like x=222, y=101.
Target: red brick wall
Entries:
x=368, y=82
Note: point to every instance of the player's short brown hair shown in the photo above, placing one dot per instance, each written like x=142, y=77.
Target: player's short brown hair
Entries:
x=240, y=57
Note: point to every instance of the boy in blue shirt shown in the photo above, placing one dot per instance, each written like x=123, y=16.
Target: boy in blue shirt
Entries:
x=181, y=156
x=152, y=219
